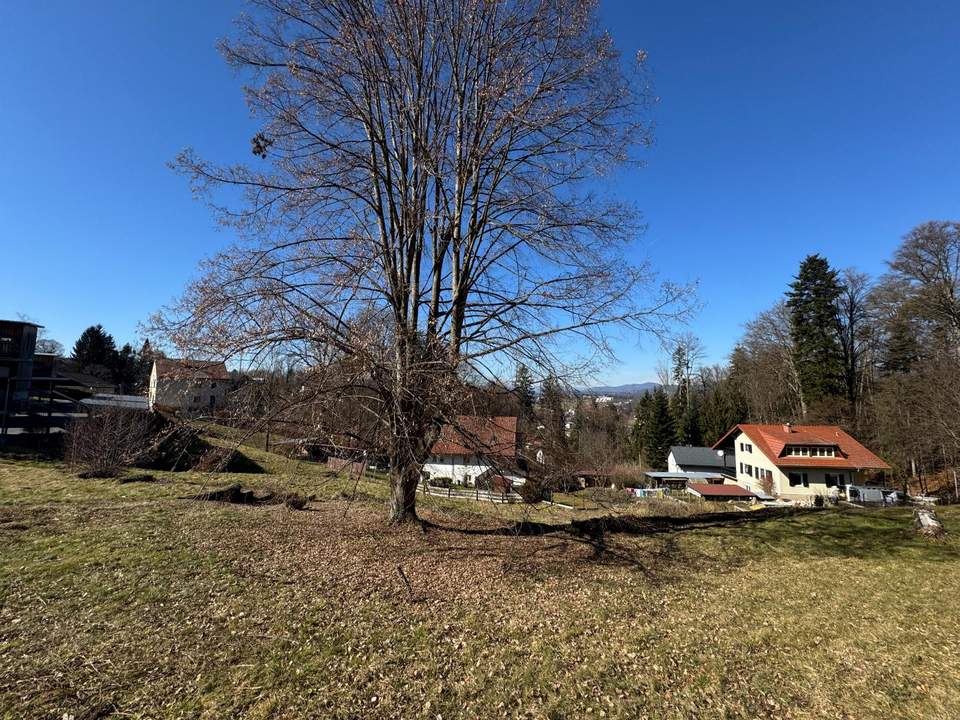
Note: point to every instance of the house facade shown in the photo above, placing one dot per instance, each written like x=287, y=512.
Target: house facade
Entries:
x=188, y=385
x=477, y=450
x=798, y=462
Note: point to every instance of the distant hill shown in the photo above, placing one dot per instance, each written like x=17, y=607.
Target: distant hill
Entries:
x=630, y=390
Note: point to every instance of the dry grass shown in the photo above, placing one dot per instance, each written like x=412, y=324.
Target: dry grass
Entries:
x=122, y=599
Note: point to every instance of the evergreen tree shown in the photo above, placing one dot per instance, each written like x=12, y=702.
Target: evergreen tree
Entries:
x=95, y=347
x=688, y=427
x=641, y=415
x=146, y=356
x=523, y=389
x=658, y=433
x=126, y=369
x=817, y=354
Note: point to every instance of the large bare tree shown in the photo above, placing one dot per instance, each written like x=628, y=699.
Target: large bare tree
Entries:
x=424, y=208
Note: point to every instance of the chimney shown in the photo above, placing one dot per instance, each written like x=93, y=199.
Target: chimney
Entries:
x=787, y=427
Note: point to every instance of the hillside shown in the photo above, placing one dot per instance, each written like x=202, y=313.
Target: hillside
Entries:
x=127, y=599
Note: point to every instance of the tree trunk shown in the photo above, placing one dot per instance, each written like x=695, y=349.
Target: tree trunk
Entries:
x=403, y=494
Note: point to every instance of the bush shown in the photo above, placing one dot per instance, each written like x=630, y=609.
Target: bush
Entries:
x=532, y=491
x=440, y=482
x=107, y=440
x=818, y=501
x=608, y=496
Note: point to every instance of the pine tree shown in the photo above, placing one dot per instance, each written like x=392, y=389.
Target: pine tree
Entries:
x=126, y=369
x=95, y=348
x=688, y=429
x=658, y=433
x=523, y=389
x=813, y=328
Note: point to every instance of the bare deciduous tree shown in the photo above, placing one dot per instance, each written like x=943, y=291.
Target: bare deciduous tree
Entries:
x=929, y=259
x=418, y=209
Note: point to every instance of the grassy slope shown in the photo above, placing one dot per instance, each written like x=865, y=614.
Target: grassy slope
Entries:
x=127, y=598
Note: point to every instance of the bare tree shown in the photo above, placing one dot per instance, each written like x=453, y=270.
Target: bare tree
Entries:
x=855, y=331
x=773, y=391
x=417, y=211
x=929, y=259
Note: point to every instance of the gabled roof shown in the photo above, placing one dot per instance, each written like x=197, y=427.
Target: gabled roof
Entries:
x=475, y=435
x=172, y=368
x=699, y=456
x=715, y=491
x=772, y=440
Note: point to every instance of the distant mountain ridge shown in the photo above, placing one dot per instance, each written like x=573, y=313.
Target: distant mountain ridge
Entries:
x=629, y=390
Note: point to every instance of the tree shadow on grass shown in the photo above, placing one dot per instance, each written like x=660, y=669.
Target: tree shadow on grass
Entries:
x=872, y=534
x=612, y=541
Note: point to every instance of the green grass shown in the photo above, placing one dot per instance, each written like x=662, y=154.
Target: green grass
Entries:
x=127, y=599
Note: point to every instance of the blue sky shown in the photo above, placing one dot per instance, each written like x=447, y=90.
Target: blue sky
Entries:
x=783, y=129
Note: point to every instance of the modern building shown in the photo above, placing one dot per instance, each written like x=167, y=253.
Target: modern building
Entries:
x=798, y=462
x=18, y=345
x=188, y=385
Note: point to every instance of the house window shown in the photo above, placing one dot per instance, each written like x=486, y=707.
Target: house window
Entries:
x=833, y=479
x=798, y=479
x=746, y=447
x=748, y=469
x=196, y=399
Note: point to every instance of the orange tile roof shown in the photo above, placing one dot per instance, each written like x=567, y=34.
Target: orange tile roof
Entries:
x=475, y=435
x=771, y=440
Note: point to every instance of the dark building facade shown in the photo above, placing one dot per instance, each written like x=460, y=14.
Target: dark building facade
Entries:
x=18, y=343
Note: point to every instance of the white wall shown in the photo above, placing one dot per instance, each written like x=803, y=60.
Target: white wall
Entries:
x=187, y=394
x=462, y=470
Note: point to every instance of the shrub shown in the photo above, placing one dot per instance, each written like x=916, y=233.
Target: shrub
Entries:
x=532, y=491
x=105, y=441
x=440, y=482
x=608, y=496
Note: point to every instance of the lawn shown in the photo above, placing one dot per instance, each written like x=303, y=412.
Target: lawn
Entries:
x=126, y=600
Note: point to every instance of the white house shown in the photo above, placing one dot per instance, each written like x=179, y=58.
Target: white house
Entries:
x=477, y=450
x=798, y=462
x=188, y=385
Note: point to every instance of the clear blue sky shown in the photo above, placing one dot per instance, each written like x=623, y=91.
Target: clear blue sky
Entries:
x=783, y=129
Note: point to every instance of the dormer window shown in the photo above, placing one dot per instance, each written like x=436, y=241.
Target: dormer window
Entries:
x=810, y=451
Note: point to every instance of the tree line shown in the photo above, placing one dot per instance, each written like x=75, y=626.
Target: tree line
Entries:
x=879, y=356
x=95, y=352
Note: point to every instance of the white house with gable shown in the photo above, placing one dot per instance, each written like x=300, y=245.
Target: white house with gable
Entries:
x=477, y=451
x=799, y=462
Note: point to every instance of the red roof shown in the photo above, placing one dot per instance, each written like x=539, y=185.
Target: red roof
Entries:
x=475, y=435
x=772, y=440
x=717, y=490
